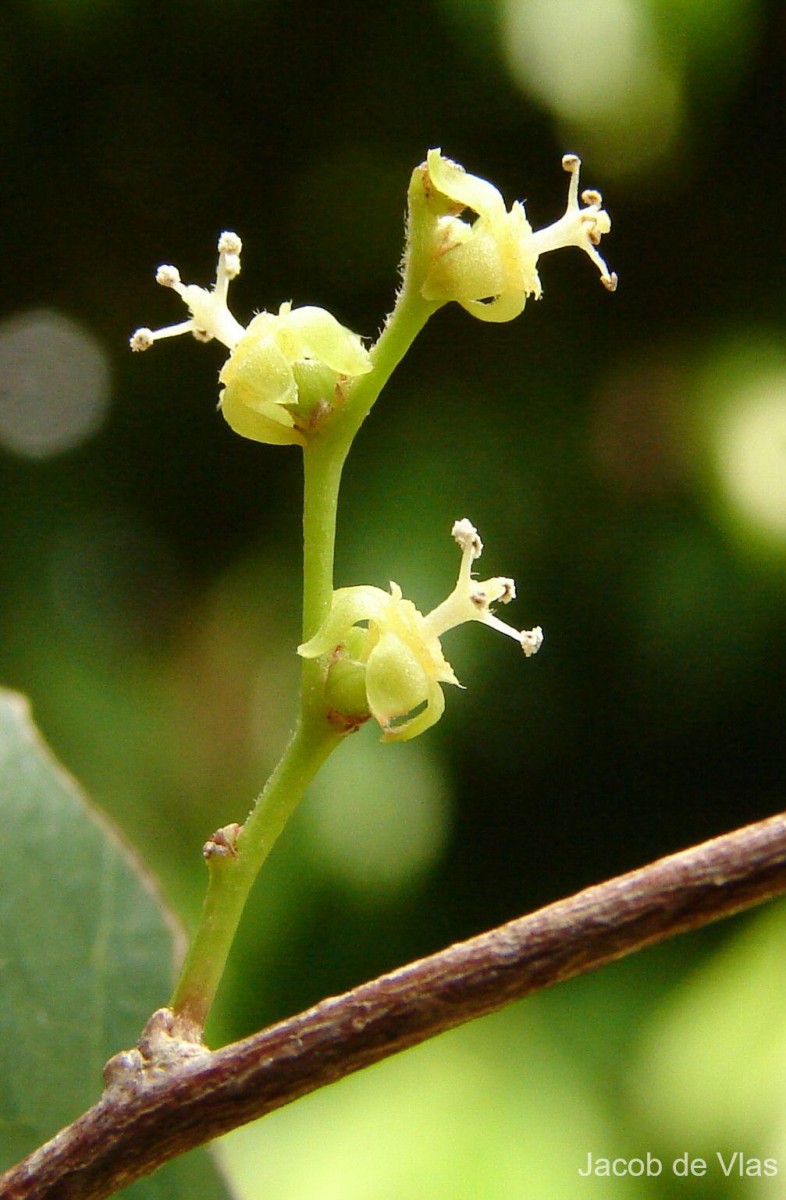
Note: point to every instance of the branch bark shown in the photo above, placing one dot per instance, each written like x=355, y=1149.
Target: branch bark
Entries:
x=169, y=1095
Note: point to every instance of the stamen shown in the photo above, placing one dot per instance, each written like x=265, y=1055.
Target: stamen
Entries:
x=210, y=315
x=168, y=276
x=229, y=247
x=467, y=537
x=229, y=243
x=141, y=340
x=572, y=164
x=582, y=227
x=531, y=640
x=471, y=601
x=525, y=637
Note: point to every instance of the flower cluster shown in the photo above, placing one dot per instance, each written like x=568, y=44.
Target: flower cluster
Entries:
x=286, y=370
x=279, y=368
x=489, y=264
x=385, y=658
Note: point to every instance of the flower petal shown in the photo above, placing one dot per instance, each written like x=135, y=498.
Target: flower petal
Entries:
x=274, y=426
x=317, y=334
x=396, y=681
x=257, y=374
x=501, y=308
x=464, y=189
x=350, y=605
x=435, y=707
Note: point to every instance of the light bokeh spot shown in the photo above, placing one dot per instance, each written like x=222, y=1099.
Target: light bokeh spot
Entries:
x=597, y=66
x=379, y=819
x=54, y=383
x=750, y=453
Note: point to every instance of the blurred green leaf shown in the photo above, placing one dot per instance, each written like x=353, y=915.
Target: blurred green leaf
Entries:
x=710, y=1067
x=87, y=952
x=488, y=1112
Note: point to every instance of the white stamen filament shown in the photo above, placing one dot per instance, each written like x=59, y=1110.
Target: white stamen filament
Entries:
x=582, y=227
x=210, y=315
x=470, y=601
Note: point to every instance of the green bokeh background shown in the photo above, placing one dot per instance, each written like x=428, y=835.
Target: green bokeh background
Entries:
x=624, y=458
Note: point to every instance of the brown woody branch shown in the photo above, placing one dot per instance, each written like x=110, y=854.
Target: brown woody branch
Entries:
x=168, y=1096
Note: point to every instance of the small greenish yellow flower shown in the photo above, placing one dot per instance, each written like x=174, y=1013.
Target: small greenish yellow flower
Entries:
x=280, y=368
x=385, y=658
x=489, y=263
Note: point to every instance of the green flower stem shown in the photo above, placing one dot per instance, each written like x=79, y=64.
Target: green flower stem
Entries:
x=324, y=459
x=402, y=327
x=323, y=462
x=231, y=876
x=232, y=871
